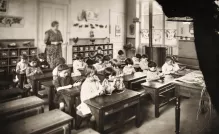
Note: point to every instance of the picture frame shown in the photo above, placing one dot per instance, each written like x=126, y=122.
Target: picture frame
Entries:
x=4, y=6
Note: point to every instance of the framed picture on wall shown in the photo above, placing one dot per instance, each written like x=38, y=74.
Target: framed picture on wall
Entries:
x=3, y=6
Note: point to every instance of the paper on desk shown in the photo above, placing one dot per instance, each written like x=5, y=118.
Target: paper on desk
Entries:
x=84, y=109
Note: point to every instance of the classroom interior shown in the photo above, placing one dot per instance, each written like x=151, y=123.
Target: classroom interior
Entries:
x=137, y=27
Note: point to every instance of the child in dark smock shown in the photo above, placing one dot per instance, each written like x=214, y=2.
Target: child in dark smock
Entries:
x=61, y=82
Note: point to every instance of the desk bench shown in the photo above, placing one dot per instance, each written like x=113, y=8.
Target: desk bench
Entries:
x=21, y=108
x=10, y=94
x=47, y=123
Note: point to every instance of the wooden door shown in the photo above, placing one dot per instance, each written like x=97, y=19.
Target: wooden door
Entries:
x=117, y=30
x=49, y=12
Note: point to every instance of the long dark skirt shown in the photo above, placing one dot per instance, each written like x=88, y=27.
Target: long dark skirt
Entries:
x=53, y=53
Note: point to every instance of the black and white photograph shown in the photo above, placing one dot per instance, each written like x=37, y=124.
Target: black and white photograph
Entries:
x=109, y=66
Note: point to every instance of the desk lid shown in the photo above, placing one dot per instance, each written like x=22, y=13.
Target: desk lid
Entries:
x=105, y=100
x=38, y=123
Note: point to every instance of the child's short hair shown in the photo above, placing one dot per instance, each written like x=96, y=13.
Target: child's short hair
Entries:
x=109, y=71
x=23, y=56
x=106, y=58
x=168, y=58
x=138, y=56
x=89, y=62
x=60, y=61
x=89, y=70
x=128, y=61
x=144, y=56
x=63, y=67
x=41, y=56
x=120, y=52
x=152, y=64
x=79, y=57
x=99, y=57
x=34, y=59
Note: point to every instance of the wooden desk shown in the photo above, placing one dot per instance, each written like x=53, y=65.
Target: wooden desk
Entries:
x=103, y=106
x=131, y=78
x=10, y=94
x=157, y=90
x=37, y=79
x=70, y=94
x=50, y=86
x=182, y=89
x=49, y=122
x=21, y=108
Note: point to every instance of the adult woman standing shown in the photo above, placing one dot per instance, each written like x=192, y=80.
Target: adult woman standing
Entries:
x=53, y=40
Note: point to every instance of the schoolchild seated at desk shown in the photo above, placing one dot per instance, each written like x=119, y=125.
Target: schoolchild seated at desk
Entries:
x=116, y=66
x=91, y=59
x=136, y=59
x=128, y=69
x=170, y=67
x=111, y=81
x=90, y=88
x=106, y=61
x=61, y=82
x=121, y=56
x=144, y=63
x=152, y=73
x=33, y=70
x=60, y=61
x=99, y=66
x=43, y=64
x=79, y=65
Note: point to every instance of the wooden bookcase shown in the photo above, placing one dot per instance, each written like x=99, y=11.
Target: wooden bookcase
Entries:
x=84, y=50
x=9, y=56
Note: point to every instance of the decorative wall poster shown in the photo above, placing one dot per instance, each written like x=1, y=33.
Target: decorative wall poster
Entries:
x=170, y=37
x=91, y=15
x=11, y=21
x=86, y=15
x=132, y=29
x=3, y=6
x=117, y=30
x=157, y=36
x=145, y=35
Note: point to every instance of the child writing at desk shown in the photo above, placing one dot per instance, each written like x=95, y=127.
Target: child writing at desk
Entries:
x=99, y=66
x=61, y=82
x=33, y=70
x=144, y=63
x=170, y=66
x=128, y=69
x=152, y=73
x=121, y=56
x=60, y=61
x=116, y=66
x=90, y=88
x=78, y=65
